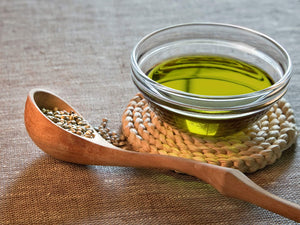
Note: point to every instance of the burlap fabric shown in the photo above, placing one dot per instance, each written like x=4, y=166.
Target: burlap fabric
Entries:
x=80, y=50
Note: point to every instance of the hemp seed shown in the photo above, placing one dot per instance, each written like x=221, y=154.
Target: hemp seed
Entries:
x=76, y=124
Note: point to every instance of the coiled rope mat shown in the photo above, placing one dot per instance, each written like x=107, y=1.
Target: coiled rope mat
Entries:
x=248, y=150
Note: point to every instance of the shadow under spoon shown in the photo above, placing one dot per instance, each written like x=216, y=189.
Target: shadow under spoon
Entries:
x=64, y=145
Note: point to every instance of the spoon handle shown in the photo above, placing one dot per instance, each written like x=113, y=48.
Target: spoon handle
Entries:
x=229, y=182
x=233, y=183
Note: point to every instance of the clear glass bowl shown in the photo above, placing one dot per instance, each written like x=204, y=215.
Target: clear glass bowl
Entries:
x=210, y=115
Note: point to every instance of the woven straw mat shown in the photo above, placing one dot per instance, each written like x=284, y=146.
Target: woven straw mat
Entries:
x=248, y=150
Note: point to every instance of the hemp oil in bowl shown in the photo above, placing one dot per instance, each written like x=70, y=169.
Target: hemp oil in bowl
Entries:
x=210, y=79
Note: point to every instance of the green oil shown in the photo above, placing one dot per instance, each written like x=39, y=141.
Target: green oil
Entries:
x=210, y=76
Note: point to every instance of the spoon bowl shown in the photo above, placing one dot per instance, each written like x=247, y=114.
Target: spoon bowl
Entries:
x=64, y=145
x=56, y=141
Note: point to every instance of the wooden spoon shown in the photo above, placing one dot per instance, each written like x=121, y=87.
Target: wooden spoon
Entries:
x=66, y=146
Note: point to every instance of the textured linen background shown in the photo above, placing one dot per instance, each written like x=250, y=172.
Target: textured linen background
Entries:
x=80, y=50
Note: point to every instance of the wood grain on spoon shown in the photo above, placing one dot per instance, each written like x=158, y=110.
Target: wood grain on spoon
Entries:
x=69, y=147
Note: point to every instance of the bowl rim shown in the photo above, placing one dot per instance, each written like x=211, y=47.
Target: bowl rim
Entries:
x=278, y=84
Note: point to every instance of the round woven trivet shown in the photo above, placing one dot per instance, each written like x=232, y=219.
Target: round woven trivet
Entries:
x=248, y=150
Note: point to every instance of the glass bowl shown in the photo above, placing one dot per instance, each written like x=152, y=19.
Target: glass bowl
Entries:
x=202, y=114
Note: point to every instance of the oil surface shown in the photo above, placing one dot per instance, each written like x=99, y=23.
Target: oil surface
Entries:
x=210, y=75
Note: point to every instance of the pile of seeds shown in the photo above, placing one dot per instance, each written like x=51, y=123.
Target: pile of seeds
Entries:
x=110, y=136
x=76, y=124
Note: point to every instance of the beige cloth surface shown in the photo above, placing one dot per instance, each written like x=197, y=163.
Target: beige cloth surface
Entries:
x=81, y=51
